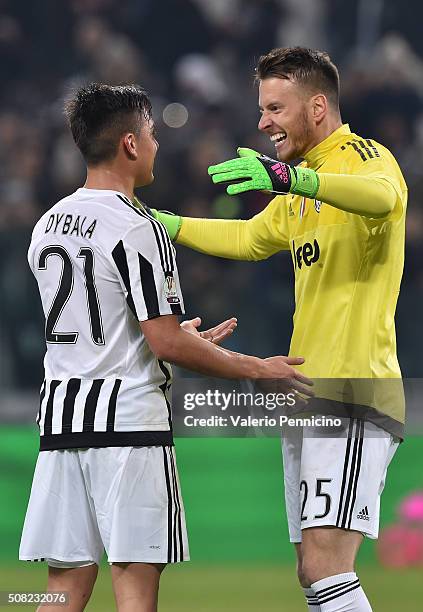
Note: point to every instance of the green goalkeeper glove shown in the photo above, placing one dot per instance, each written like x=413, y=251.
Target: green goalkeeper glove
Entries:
x=171, y=221
x=261, y=173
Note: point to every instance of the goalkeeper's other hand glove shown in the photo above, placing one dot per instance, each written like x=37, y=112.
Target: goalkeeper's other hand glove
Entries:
x=171, y=221
x=252, y=171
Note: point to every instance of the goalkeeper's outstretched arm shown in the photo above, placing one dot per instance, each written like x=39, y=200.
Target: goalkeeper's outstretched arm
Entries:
x=231, y=239
x=254, y=239
x=370, y=193
x=250, y=240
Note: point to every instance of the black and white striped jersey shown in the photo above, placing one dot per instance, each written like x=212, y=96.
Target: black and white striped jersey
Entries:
x=102, y=265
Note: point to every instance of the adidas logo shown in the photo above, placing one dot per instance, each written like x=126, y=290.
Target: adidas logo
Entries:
x=281, y=171
x=364, y=514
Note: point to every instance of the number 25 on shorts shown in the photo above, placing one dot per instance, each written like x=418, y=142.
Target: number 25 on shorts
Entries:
x=326, y=499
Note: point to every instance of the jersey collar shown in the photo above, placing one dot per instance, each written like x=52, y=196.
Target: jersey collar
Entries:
x=317, y=155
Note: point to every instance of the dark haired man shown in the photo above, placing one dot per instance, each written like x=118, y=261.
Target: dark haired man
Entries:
x=106, y=476
x=342, y=216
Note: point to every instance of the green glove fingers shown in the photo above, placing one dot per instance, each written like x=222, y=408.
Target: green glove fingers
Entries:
x=244, y=152
x=255, y=172
x=239, y=188
x=248, y=167
x=238, y=165
x=224, y=177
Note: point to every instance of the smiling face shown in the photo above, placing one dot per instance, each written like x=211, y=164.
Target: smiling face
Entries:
x=287, y=117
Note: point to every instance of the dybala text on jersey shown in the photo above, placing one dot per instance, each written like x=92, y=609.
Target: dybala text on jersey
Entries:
x=71, y=224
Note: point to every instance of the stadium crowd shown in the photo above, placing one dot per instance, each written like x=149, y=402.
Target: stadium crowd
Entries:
x=201, y=55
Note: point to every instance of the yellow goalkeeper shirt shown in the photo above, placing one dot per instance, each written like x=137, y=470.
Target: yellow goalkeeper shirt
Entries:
x=348, y=268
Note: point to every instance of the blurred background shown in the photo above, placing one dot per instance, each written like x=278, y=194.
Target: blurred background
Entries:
x=196, y=59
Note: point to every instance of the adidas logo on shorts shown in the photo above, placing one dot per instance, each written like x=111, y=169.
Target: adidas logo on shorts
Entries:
x=364, y=514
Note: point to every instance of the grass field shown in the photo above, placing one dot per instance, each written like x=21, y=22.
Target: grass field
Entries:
x=241, y=588
x=238, y=534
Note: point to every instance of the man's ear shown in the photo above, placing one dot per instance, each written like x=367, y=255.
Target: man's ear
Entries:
x=319, y=107
x=130, y=146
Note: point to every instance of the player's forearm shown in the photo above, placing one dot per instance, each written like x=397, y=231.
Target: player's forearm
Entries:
x=368, y=195
x=194, y=353
x=218, y=237
x=363, y=195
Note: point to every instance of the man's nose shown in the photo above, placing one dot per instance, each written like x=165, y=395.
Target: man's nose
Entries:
x=264, y=122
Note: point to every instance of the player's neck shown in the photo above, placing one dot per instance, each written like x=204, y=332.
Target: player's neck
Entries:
x=109, y=178
x=325, y=129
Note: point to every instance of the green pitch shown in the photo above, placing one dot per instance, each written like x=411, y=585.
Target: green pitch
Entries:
x=209, y=588
x=233, y=496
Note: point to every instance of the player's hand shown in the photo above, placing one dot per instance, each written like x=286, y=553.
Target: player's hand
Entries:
x=252, y=171
x=279, y=376
x=216, y=334
x=171, y=221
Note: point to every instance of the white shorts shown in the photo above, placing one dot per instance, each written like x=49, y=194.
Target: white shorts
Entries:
x=125, y=500
x=335, y=476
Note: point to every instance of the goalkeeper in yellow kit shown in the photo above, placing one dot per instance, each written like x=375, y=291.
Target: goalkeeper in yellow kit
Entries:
x=341, y=214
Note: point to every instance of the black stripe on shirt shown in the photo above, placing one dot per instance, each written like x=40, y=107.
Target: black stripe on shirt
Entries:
x=162, y=237
x=373, y=147
x=73, y=386
x=42, y=395
x=168, y=247
x=119, y=257
x=148, y=285
x=164, y=387
x=364, y=147
x=367, y=151
x=147, y=216
x=112, y=405
x=91, y=404
x=163, y=240
x=124, y=198
x=101, y=439
x=48, y=419
x=357, y=150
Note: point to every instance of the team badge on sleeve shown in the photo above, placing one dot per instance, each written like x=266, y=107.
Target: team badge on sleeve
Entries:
x=171, y=291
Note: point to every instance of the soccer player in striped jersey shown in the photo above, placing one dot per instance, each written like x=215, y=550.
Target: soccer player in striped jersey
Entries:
x=341, y=214
x=106, y=476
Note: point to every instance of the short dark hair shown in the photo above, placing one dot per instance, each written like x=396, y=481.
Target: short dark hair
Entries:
x=308, y=67
x=100, y=114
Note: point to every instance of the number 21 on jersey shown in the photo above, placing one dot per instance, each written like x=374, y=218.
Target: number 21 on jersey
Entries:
x=64, y=291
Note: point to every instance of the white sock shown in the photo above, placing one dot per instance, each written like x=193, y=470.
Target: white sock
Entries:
x=341, y=593
x=312, y=601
